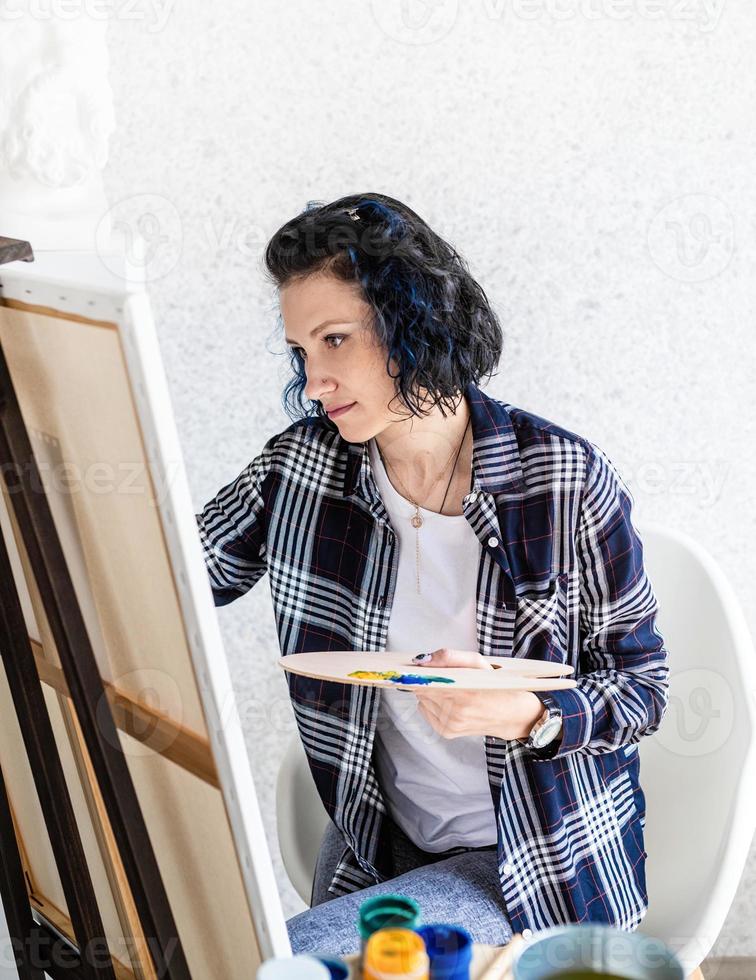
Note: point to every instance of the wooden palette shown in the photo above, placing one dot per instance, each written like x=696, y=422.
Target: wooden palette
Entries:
x=510, y=673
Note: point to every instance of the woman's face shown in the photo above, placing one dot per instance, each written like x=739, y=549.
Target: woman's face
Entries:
x=343, y=360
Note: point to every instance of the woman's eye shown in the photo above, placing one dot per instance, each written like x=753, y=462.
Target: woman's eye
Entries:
x=331, y=336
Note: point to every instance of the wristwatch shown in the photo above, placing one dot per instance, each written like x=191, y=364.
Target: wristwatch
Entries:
x=546, y=729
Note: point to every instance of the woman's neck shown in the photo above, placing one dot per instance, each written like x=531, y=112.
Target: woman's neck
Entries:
x=422, y=451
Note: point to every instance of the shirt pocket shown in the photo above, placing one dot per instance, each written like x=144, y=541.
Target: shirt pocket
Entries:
x=540, y=629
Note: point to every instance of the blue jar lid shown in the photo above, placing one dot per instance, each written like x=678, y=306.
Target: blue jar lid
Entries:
x=336, y=966
x=449, y=948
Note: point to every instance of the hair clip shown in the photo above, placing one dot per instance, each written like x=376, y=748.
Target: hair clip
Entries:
x=352, y=212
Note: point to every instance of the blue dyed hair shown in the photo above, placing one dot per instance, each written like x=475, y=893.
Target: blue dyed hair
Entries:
x=429, y=314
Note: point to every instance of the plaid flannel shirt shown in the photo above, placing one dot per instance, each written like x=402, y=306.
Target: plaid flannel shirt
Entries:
x=560, y=578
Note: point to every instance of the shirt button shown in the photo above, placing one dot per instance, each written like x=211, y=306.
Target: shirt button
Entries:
x=507, y=869
x=527, y=933
x=472, y=497
x=381, y=602
x=492, y=542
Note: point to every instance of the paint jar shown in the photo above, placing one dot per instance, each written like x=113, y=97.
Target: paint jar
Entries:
x=298, y=967
x=583, y=950
x=385, y=912
x=450, y=950
x=336, y=966
x=395, y=954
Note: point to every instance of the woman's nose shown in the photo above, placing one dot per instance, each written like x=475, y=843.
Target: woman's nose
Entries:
x=316, y=387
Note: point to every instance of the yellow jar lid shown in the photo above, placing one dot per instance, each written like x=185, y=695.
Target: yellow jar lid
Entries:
x=396, y=952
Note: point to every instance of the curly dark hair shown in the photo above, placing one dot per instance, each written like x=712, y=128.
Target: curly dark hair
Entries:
x=429, y=314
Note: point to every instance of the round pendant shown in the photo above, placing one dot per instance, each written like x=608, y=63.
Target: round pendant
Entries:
x=417, y=521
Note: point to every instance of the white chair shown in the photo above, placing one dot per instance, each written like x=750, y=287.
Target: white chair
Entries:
x=698, y=771
x=301, y=818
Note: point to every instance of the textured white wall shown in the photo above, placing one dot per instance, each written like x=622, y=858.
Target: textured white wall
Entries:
x=594, y=163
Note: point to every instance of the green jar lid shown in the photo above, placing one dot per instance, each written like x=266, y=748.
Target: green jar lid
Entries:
x=382, y=911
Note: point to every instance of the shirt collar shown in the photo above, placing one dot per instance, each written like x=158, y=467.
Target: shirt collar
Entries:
x=497, y=467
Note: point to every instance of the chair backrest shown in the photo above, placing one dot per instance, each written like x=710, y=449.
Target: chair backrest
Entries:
x=301, y=818
x=698, y=771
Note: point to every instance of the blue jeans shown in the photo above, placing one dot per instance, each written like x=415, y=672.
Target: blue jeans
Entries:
x=460, y=886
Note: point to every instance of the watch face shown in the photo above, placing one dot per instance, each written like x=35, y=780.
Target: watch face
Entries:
x=547, y=732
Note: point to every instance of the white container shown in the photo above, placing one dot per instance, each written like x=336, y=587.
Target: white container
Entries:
x=299, y=967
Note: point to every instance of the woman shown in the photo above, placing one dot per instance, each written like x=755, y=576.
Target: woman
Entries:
x=407, y=510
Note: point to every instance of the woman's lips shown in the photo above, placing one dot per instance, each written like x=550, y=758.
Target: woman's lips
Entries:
x=340, y=411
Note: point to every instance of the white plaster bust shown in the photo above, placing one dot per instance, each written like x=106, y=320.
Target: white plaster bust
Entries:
x=56, y=116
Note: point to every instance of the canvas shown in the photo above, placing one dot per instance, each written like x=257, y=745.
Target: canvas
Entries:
x=85, y=363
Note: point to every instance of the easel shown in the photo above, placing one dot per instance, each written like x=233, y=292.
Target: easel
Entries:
x=38, y=946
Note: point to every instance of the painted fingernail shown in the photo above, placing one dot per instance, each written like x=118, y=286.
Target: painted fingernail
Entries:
x=422, y=658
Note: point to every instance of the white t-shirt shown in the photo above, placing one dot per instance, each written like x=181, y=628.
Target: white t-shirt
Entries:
x=437, y=788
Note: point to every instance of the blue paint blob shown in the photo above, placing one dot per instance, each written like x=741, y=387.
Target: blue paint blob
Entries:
x=421, y=679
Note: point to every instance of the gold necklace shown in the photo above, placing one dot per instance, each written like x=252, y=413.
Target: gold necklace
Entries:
x=416, y=520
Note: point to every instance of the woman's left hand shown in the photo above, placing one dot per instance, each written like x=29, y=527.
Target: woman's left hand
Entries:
x=504, y=714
